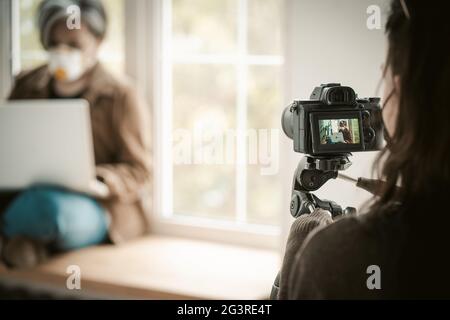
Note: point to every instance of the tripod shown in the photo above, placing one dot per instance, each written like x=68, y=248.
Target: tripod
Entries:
x=311, y=174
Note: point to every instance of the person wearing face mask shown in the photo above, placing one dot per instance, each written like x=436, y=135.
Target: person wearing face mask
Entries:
x=398, y=248
x=44, y=220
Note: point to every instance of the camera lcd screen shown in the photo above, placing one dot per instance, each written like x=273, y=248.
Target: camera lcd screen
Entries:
x=339, y=131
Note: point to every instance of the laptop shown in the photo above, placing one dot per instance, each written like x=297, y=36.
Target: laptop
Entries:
x=47, y=142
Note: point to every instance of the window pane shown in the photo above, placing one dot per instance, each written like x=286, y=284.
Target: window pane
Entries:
x=206, y=94
x=204, y=191
x=204, y=104
x=264, y=109
x=264, y=97
x=264, y=198
x=112, y=53
x=204, y=26
x=264, y=24
x=32, y=54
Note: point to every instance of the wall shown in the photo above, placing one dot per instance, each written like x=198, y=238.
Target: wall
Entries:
x=328, y=41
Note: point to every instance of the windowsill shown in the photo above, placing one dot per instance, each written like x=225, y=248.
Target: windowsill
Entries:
x=229, y=232
x=158, y=267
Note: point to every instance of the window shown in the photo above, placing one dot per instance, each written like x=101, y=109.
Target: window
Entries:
x=31, y=53
x=220, y=110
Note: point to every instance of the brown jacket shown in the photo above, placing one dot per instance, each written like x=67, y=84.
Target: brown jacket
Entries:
x=121, y=133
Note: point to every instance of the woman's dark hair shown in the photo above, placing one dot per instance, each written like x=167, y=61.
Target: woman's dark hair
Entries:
x=417, y=156
x=92, y=13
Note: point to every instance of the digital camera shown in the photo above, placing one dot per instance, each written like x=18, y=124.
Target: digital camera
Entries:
x=334, y=121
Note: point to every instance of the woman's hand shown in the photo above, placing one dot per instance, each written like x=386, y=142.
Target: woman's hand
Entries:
x=99, y=189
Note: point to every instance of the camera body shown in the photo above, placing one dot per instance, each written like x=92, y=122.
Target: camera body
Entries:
x=334, y=121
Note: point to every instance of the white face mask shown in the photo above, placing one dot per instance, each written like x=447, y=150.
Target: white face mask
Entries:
x=66, y=65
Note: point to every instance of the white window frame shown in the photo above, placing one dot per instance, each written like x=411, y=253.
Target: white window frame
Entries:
x=8, y=34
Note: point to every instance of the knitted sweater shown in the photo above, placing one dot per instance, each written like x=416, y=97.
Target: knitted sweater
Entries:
x=397, y=254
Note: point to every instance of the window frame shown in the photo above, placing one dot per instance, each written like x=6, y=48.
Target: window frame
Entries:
x=8, y=22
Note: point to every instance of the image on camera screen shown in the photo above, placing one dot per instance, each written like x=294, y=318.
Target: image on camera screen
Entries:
x=339, y=131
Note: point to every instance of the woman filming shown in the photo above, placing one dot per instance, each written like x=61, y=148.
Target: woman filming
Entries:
x=403, y=237
x=42, y=220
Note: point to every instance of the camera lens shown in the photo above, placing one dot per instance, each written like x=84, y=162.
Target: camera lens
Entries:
x=287, y=122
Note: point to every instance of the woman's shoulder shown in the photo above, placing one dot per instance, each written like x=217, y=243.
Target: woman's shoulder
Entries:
x=371, y=227
x=335, y=260
x=33, y=73
x=117, y=82
x=120, y=95
x=114, y=85
x=365, y=224
x=348, y=233
x=31, y=80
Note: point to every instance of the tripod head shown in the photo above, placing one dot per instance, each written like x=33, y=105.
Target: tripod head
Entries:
x=311, y=174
